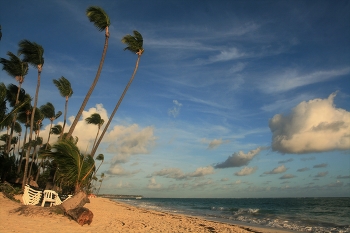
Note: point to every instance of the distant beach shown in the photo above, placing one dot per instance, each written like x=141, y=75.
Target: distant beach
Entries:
x=111, y=216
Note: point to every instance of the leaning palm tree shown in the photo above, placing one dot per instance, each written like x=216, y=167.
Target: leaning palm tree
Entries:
x=66, y=91
x=33, y=54
x=102, y=22
x=135, y=45
x=73, y=167
x=101, y=158
x=95, y=119
x=48, y=110
x=17, y=69
x=101, y=180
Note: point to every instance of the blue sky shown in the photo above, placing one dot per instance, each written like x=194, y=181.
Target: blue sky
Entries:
x=231, y=99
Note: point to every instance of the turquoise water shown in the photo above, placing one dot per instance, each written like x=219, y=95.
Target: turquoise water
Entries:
x=297, y=214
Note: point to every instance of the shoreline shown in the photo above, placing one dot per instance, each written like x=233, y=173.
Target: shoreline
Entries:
x=113, y=216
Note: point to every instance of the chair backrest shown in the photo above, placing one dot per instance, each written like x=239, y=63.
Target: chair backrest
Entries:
x=49, y=194
x=31, y=196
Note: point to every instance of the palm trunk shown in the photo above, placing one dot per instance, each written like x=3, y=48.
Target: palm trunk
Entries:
x=65, y=117
x=116, y=107
x=48, y=139
x=82, y=107
x=14, y=119
x=24, y=142
x=31, y=128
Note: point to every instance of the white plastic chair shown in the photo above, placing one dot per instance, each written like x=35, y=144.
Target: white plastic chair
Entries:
x=31, y=196
x=52, y=197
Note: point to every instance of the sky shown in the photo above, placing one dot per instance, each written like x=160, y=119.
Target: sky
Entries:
x=231, y=98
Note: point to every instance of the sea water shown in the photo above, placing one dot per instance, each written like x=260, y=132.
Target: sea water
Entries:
x=296, y=214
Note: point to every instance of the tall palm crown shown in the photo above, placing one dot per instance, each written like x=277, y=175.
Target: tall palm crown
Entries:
x=135, y=45
x=48, y=110
x=33, y=54
x=99, y=18
x=102, y=22
x=95, y=119
x=15, y=67
x=66, y=91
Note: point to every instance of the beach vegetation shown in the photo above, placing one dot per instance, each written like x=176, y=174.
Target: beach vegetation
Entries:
x=27, y=159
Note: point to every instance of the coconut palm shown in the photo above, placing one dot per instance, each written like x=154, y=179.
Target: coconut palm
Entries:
x=102, y=22
x=101, y=180
x=17, y=69
x=135, y=45
x=33, y=54
x=48, y=111
x=57, y=129
x=73, y=167
x=66, y=91
x=101, y=158
x=95, y=119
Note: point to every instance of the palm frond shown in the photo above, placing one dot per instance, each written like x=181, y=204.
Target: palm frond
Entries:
x=14, y=67
x=64, y=87
x=134, y=43
x=98, y=17
x=33, y=52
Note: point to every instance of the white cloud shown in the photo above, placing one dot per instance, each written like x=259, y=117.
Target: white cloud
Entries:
x=246, y=171
x=214, y=143
x=239, y=159
x=86, y=133
x=277, y=170
x=175, y=110
x=152, y=184
x=125, y=141
x=313, y=126
x=176, y=173
x=116, y=169
x=202, y=171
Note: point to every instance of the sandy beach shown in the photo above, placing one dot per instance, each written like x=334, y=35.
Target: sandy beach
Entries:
x=109, y=216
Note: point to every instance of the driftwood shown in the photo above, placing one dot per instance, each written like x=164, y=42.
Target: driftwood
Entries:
x=81, y=215
x=77, y=200
x=73, y=207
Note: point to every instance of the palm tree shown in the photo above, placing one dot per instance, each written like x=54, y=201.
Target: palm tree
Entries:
x=101, y=180
x=48, y=110
x=73, y=167
x=101, y=158
x=135, y=45
x=95, y=119
x=102, y=22
x=17, y=69
x=33, y=54
x=66, y=91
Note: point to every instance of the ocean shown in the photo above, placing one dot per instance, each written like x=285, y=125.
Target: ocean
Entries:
x=296, y=214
